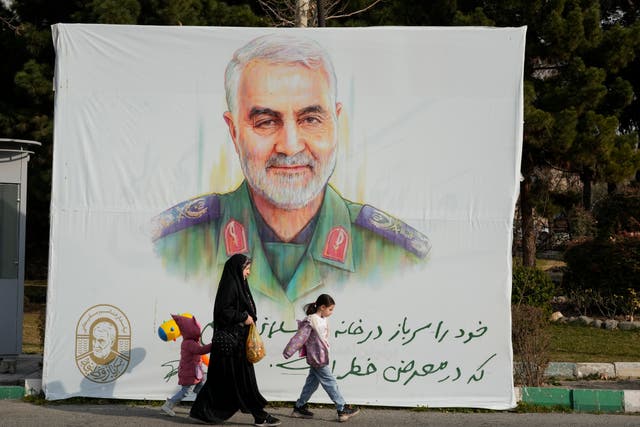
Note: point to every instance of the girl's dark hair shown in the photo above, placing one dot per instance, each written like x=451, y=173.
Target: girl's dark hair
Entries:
x=323, y=299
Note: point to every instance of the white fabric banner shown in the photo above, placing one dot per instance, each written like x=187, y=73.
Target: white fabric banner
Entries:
x=156, y=182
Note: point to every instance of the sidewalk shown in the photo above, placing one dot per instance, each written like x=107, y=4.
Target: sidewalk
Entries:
x=615, y=389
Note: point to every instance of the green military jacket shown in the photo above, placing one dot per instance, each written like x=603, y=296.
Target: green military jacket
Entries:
x=350, y=241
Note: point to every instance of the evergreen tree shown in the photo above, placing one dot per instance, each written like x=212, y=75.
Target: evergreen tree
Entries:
x=581, y=77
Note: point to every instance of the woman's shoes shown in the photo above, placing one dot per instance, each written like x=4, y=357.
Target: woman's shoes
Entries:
x=268, y=421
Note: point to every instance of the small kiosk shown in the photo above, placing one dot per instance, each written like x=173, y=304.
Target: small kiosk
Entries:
x=14, y=158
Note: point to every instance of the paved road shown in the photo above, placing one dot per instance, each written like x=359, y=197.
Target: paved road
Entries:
x=20, y=414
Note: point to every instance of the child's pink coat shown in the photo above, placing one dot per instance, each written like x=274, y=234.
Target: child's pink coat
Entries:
x=309, y=343
x=190, y=369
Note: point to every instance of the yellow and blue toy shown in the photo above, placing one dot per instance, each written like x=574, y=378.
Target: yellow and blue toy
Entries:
x=169, y=330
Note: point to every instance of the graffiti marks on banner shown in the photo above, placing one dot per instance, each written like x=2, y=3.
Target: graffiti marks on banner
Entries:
x=103, y=343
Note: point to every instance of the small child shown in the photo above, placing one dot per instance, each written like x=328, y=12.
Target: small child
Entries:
x=312, y=339
x=190, y=371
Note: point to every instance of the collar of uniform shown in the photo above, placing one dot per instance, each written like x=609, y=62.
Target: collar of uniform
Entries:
x=237, y=206
x=334, y=213
x=307, y=278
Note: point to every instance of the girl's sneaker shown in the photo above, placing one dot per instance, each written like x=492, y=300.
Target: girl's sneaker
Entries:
x=301, y=412
x=167, y=408
x=346, y=413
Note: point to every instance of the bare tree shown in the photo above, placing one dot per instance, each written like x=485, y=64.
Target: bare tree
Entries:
x=10, y=23
x=304, y=13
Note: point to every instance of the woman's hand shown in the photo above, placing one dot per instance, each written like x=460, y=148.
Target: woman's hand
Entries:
x=249, y=320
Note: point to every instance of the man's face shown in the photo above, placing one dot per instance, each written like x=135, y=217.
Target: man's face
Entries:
x=285, y=132
x=102, y=343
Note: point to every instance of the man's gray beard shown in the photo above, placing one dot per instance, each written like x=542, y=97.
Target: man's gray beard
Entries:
x=288, y=191
x=102, y=353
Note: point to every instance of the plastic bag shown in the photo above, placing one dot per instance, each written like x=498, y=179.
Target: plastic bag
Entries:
x=255, y=346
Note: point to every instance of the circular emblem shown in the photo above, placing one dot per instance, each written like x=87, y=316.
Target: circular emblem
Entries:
x=103, y=343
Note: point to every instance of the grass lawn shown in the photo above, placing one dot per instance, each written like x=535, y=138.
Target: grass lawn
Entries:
x=587, y=344
x=546, y=264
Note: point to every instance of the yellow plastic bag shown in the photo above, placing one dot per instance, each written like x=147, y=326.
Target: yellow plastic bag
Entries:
x=255, y=346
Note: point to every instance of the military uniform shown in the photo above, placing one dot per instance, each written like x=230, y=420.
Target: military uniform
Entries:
x=345, y=240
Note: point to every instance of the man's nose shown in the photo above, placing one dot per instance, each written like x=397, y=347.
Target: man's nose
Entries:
x=291, y=141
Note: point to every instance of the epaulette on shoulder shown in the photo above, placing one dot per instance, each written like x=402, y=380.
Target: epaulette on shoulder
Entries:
x=185, y=214
x=394, y=230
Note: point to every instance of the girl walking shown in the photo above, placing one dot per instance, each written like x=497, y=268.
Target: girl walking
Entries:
x=190, y=371
x=312, y=340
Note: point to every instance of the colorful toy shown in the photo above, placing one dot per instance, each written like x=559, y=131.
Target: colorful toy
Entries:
x=169, y=330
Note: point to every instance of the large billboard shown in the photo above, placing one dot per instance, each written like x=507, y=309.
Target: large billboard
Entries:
x=377, y=165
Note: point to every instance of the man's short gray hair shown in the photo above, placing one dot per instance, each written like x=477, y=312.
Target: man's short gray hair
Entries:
x=277, y=49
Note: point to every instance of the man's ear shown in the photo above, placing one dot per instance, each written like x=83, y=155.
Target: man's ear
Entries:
x=228, y=118
x=338, y=108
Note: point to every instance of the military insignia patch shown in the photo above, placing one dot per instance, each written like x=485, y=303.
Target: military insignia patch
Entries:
x=336, y=244
x=103, y=343
x=235, y=238
x=394, y=230
x=185, y=214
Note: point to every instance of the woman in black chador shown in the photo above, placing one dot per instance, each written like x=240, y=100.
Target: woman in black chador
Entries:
x=231, y=381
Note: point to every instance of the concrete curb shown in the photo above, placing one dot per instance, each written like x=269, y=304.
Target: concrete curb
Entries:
x=583, y=400
x=31, y=387
x=569, y=370
x=11, y=392
x=632, y=401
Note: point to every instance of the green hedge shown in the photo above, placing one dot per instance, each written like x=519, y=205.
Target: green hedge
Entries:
x=606, y=274
x=607, y=264
x=532, y=287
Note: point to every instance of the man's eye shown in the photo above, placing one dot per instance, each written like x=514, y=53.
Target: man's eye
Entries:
x=265, y=123
x=311, y=120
